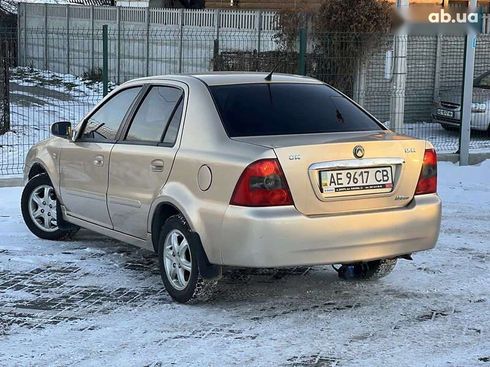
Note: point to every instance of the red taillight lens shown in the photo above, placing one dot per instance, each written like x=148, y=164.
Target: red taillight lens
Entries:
x=428, y=176
x=262, y=184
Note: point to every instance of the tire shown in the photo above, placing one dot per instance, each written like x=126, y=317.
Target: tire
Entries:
x=449, y=127
x=178, y=255
x=39, y=209
x=380, y=268
x=371, y=270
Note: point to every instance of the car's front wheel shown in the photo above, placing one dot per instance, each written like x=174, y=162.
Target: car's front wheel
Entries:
x=178, y=258
x=39, y=209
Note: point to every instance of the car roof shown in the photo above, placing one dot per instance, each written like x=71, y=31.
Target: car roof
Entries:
x=227, y=78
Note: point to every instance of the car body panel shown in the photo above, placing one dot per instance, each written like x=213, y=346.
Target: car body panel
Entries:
x=313, y=231
x=46, y=154
x=134, y=184
x=84, y=172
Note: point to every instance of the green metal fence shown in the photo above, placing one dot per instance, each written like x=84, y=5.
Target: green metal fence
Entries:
x=57, y=74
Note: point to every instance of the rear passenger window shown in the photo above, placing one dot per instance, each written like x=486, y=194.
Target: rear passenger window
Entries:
x=153, y=115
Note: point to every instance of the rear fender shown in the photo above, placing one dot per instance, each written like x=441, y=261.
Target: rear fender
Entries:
x=187, y=204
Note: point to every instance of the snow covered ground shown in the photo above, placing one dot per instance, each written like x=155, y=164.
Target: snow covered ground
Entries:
x=96, y=301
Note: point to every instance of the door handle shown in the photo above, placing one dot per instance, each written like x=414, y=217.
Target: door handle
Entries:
x=157, y=165
x=99, y=161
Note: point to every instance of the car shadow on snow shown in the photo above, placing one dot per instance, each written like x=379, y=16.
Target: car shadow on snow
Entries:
x=240, y=284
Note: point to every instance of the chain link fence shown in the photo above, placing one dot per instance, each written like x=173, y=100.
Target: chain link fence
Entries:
x=412, y=83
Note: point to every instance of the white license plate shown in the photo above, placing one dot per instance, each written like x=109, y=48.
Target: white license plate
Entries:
x=356, y=181
x=445, y=113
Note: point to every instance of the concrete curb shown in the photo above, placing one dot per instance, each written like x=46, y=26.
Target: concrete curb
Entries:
x=475, y=158
x=11, y=181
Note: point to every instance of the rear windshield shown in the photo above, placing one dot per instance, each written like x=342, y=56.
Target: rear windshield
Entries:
x=284, y=109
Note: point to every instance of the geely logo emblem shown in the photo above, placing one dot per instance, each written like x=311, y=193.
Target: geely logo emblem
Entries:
x=358, y=151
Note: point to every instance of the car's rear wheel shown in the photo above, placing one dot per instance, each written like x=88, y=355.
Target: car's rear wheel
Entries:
x=370, y=270
x=39, y=209
x=178, y=258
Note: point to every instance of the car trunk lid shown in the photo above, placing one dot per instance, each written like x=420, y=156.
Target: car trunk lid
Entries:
x=309, y=161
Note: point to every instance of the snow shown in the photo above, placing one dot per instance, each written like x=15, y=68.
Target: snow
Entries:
x=96, y=301
x=38, y=99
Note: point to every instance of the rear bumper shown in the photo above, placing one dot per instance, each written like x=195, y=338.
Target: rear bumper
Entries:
x=281, y=236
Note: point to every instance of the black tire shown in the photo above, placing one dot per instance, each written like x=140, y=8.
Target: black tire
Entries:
x=370, y=270
x=449, y=127
x=197, y=289
x=380, y=268
x=55, y=233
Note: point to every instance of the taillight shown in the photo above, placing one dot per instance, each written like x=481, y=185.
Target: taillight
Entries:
x=428, y=176
x=262, y=184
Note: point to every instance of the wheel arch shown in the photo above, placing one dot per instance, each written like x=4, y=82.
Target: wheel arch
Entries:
x=161, y=213
x=36, y=169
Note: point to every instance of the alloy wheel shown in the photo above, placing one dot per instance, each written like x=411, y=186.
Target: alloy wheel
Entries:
x=42, y=208
x=177, y=259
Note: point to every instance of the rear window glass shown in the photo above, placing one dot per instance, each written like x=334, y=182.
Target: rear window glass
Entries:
x=284, y=109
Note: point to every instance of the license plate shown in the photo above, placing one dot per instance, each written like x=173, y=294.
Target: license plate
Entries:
x=356, y=181
x=445, y=113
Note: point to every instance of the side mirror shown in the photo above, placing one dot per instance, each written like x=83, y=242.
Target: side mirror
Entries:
x=62, y=129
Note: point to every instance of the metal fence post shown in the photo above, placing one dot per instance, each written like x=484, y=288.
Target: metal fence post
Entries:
x=181, y=39
x=397, y=100
x=105, y=59
x=19, y=14
x=118, y=44
x=258, y=26
x=147, y=44
x=437, y=74
x=46, y=65
x=92, y=39
x=24, y=51
x=302, y=52
x=217, y=23
x=4, y=97
x=469, y=67
x=360, y=82
x=68, y=39
x=397, y=115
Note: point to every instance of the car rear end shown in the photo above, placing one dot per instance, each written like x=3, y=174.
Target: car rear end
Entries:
x=340, y=187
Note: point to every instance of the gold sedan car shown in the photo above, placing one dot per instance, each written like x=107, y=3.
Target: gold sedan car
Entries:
x=236, y=169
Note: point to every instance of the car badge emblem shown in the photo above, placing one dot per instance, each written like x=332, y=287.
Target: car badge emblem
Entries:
x=358, y=151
